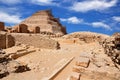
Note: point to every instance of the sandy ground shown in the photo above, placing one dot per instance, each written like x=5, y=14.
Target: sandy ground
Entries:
x=43, y=62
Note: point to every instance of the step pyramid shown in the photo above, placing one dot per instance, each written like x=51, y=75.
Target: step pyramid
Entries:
x=45, y=21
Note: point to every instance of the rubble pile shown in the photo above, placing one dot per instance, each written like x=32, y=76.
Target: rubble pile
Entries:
x=86, y=37
x=112, y=47
x=8, y=65
x=94, y=66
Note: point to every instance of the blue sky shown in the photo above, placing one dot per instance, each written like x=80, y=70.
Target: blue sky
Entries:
x=102, y=16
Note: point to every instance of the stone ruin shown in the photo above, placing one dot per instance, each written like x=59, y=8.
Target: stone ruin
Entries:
x=84, y=37
x=8, y=65
x=37, y=41
x=112, y=47
x=6, y=40
x=39, y=22
x=22, y=28
x=2, y=26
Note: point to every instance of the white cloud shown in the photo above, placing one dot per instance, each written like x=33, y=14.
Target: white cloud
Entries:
x=116, y=18
x=44, y=2
x=8, y=18
x=101, y=24
x=72, y=20
x=9, y=2
x=96, y=5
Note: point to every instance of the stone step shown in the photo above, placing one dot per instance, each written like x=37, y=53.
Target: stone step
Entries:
x=82, y=61
x=78, y=69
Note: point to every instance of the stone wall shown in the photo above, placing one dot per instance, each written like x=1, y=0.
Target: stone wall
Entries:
x=6, y=40
x=23, y=28
x=2, y=41
x=112, y=47
x=1, y=26
x=86, y=37
x=36, y=41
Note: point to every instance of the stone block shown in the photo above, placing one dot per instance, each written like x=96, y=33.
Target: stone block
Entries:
x=78, y=69
x=2, y=26
x=83, y=62
x=75, y=76
x=86, y=55
x=22, y=28
x=6, y=40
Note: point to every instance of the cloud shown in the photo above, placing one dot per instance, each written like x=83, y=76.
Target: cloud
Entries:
x=116, y=18
x=89, y=5
x=101, y=24
x=10, y=19
x=44, y=2
x=72, y=20
x=9, y=2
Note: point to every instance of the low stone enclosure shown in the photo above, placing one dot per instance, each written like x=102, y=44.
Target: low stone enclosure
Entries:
x=35, y=40
x=6, y=40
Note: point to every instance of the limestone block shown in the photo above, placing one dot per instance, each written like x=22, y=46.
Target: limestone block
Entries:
x=78, y=69
x=86, y=55
x=22, y=53
x=2, y=26
x=83, y=62
x=75, y=76
x=6, y=40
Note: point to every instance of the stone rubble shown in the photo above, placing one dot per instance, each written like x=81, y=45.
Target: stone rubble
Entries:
x=112, y=48
x=8, y=65
x=100, y=67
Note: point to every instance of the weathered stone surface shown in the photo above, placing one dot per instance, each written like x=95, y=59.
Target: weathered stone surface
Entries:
x=83, y=62
x=87, y=37
x=94, y=75
x=3, y=71
x=8, y=65
x=75, y=76
x=6, y=40
x=36, y=29
x=78, y=69
x=45, y=21
x=112, y=47
x=36, y=41
x=2, y=26
x=23, y=28
x=14, y=66
x=21, y=53
x=86, y=55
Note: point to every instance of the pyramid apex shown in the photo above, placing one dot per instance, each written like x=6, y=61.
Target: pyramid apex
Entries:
x=42, y=12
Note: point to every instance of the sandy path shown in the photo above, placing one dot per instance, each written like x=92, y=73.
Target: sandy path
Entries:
x=41, y=63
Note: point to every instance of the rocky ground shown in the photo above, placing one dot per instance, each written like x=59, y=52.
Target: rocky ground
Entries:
x=73, y=61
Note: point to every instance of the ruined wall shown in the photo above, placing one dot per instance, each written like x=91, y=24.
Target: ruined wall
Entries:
x=86, y=37
x=1, y=26
x=36, y=29
x=23, y=28
x=6, y=40
x=2, y=41
x=36, y=41
x=112, y=47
